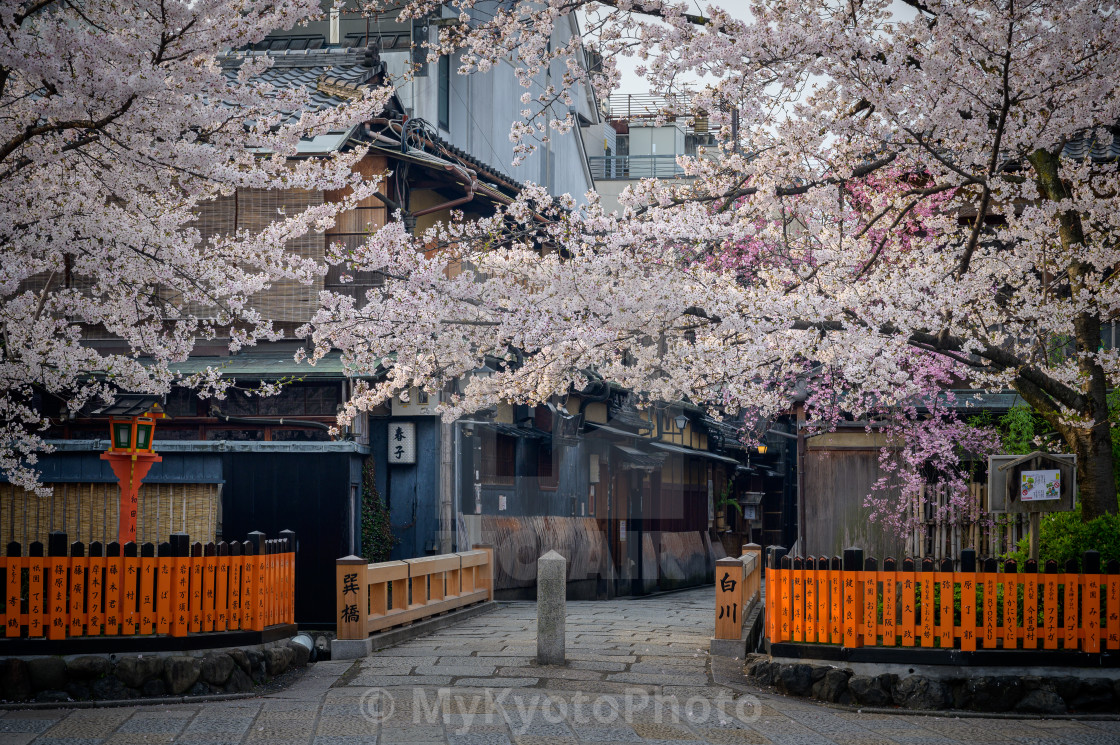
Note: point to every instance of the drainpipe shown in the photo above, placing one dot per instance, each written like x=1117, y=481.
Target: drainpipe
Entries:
x=453, y=203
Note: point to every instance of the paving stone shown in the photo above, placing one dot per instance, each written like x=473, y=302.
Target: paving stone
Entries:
x=140, y=738
x=345, y=740
x=663, y=679
x=497, y=682
x=662, y=732
x=19, y=725
x=479, y=738
x=453, y=670
x=384, y=681
x=605, y=734
x=412, y=734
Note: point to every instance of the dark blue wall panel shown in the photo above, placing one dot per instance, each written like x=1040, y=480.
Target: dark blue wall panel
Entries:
x=410, y=491
x=87, y=467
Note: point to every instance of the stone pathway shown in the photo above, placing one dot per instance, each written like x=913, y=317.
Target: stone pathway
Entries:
x=638, y=672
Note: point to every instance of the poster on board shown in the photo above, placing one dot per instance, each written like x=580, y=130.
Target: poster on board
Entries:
x=1039, y=486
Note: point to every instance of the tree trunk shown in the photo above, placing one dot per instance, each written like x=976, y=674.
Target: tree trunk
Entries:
x=1096, y=481
x=1093, y=440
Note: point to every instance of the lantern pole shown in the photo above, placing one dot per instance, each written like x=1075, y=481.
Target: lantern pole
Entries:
x=130, y=455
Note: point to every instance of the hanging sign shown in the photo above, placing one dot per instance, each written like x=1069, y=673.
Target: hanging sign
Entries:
x=402, y=442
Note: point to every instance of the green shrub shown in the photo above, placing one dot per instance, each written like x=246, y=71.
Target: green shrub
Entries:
x=1063, y=536
x=377, y=534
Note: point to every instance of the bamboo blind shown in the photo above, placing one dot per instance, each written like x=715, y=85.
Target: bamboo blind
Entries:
x=88, y=512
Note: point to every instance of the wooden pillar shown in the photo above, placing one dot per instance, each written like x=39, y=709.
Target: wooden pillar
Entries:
x=485, y=574
x=353, y=597
x=729, y=597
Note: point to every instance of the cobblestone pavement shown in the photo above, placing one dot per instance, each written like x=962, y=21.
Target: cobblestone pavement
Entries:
x=638, y=673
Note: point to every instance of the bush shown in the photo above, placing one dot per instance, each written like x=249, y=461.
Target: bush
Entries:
x=377, y=534
x=1063, y=536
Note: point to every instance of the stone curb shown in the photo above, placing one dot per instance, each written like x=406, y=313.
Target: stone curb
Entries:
x=744, y=686
x=116, y=703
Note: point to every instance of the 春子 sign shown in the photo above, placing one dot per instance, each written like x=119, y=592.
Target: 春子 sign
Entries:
x=402, y=442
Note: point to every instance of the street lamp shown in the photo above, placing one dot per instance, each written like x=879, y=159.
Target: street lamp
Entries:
x=681, y=421
x=131, y=456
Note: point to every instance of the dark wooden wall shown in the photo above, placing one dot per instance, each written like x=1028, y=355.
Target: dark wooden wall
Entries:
x=840, y=469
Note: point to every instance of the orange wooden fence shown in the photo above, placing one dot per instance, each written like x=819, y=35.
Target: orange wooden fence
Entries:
x=974, y=607
x=374, y=597
x=178, y=589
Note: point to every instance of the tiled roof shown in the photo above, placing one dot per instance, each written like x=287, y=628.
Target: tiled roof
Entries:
x=1101, y=145
x=332, y=76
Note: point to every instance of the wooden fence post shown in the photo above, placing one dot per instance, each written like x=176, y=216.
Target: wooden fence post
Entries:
x=221, y=588
x=13, y=590
x=181, y=583
x=1070, y=605
x=834, y=612
x=236, y=584
x=257, y=568
x=197, y=572
x=908, y=586
x=991, y=607
x=1010, y=604
x=824, y=585
x=209, y=585
x=751, y=587
x=809, y=582
x=797, y=599
x=1112, y=607
x=777, y=612
x=785, y=593
x=869, y=629
x=149, y=573
x=890, y=598
x=852, y=608
x=77, y=584
x=56, y=573
x=967, y=581
x=289, y=537
x=947, y=607
x=36, y=590
x=130, y=574
x=114, y=570
x=729, y=596
x=927, y=611
x=1030, y=604
x=353, y=597
x=1091, y=601
x=1050, y=606
x=95, y=583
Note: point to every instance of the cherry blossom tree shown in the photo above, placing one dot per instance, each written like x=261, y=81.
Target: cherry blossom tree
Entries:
x=840, y=123
x=116, y=122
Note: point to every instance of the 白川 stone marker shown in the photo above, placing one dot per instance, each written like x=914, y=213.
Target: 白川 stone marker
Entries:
x=552, y=587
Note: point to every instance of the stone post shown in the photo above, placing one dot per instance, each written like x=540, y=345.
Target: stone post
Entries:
x=552, y=589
